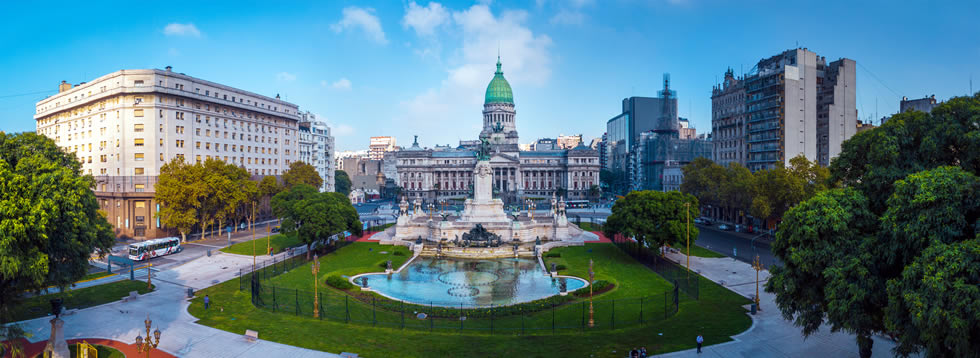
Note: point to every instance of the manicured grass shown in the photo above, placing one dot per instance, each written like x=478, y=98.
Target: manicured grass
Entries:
x=381, y=227
x=93, y=276
x=39, y=306
x=717, y=316
x=104, y=352
x=587, y=226
x=278, y=242
x=700, y=252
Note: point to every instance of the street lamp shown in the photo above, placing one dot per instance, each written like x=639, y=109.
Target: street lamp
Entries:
x=591, y=281
x=147, y=346
x=758, y=267
x=687, y=210
x=316, y=284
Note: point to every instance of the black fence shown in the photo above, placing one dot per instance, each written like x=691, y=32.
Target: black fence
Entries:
x=689, y=282
x=574, y=311
x=546, y=316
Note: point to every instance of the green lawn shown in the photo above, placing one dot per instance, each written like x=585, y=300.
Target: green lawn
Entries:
x=700, y=252
x=39, y=306
x=104, y=351
x=278, y=242
x=93, y=276
x=717, y=316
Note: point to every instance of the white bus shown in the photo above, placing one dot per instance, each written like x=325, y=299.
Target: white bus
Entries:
x=152, y=248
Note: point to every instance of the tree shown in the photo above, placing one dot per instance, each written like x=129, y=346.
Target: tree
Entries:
x=654, y=218
x=268, y=187
x=178, y=192
x=50, y=222
x=301, y=173
x=342, y=183
x=313, y=216
x=914, y=272
x=823, y=242
x=594, y=192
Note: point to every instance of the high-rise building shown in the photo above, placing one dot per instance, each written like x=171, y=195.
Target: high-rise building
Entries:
x=379, y=146
x=796, y=104
x=317, y=148
x=603, y=150
x=568, y=141
x=125, y=125
x=728, y=120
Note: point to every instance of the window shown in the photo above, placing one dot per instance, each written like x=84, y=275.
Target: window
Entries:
x=137, y=112
x=138, y=142
x=138, y=127
x=139, y=188
x=161, y=157
x=161, y=142
x=138, y=171
x=138, y=83
x=140, y=204
x=138, y=156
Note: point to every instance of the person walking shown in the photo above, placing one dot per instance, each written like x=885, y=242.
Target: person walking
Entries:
x=207, y=301
x=700, y=342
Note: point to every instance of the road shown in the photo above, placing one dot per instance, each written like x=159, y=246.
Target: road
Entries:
x=728, y=243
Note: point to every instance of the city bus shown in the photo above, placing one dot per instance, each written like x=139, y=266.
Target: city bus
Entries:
x=152, y=248
x=577, y=204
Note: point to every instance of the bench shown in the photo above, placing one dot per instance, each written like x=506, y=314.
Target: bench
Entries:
x=251, y=335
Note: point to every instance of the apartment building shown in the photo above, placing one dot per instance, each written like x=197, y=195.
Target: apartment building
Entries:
x=728, y=120
x=317, y=148
x=379, y=146
x=125, y=125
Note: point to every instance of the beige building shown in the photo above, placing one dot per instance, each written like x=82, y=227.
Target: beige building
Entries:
x=379, y=146
x=568, y=141
x=125, y=125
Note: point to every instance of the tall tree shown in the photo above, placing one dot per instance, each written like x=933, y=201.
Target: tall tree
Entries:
x=654, y=218
x=50, y=222
x=178, y=191
x=301, y=173
x=313, y=216
x=268, y=187
x=342, y=183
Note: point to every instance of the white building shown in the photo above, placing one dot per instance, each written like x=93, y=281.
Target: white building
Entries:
x=379, y=146
x=125, y=125
x=317, y=148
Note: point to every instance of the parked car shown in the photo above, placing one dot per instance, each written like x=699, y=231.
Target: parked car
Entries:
x=739, y=228
x=698, y=221
x=706, y=221
x=275, y=229
x=725, y=227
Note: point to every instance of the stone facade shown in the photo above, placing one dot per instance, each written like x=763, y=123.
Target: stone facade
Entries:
x=125, y=125
x=437, y=175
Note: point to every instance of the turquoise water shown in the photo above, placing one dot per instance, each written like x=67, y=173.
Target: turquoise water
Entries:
x=471, y=283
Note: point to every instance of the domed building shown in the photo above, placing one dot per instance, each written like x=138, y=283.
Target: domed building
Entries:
x=434, y=175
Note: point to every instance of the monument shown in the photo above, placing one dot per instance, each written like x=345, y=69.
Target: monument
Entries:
x=57, y=347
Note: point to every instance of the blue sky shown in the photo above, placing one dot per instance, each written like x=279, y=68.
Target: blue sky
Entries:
x=421, y=68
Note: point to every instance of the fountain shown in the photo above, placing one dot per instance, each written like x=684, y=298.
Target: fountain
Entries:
x=483, y=224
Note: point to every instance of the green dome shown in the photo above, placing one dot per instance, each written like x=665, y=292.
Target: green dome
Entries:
x=499, y=90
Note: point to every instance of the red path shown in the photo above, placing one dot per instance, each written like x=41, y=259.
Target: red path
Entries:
x=33, y=349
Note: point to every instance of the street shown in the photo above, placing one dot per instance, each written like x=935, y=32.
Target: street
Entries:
x=729, y=243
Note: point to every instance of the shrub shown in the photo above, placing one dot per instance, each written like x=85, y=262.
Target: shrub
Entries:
x=398, y=253
x=599, y=286
x=552, y=254
x=560, y=267
x=339, y=283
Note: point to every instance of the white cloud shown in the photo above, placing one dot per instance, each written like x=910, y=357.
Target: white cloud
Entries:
x=175, y=29
x=363, y=19
x=285, y=76
x=526, y=62
x=341, y=84
x=425, y=19
x=568, y=17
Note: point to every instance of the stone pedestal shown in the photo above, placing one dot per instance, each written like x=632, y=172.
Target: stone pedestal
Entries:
x=57, y=345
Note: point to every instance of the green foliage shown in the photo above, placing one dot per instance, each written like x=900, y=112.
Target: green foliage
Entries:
x=103, y=351
x=598, y=287
x=936, y=301
x=653, y=217
x=278, y=242
x=897, y=250
x=50, y=222
x=313, y=216
x=301, y=173
x=339, y=283
x=552, y=254
x=40, y=306
x=342, y=183
x=178, y=191
x=613, y=181
x=561, y=267
x=204, y=194
x=398, y=253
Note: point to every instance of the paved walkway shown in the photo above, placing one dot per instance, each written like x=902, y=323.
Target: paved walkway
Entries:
x=167, y=307
x=770, y=335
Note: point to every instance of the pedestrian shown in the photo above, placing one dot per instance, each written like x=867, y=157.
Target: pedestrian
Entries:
x=634, y=353
x=207, y=301
x=734, y=253
x=700, y=341
x=643, y=352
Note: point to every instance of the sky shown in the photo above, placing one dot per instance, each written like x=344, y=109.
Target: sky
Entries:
x=404, y=68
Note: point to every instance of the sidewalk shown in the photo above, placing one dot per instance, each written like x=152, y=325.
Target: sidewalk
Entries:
x=770, y=335
x=167, y=308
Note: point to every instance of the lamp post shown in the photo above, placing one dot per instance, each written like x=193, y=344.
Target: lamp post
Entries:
x=687, y=211
x=252, y=225
x=316, y=284
x=591, y=281
x=147, y=346
x=758, y=267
